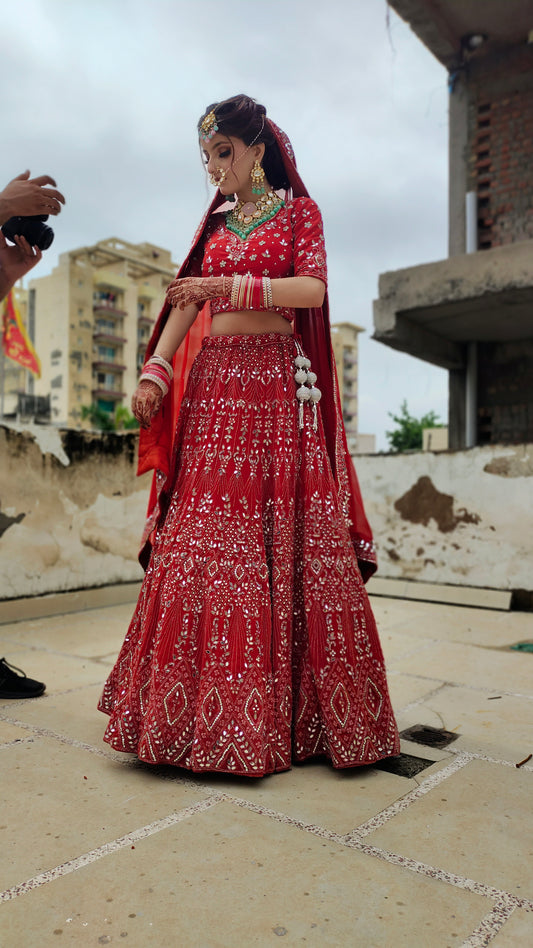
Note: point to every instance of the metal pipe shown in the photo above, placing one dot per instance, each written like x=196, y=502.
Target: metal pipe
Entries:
x=471, y=222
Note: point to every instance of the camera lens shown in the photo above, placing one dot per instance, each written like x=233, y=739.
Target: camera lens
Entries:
x=36, y=232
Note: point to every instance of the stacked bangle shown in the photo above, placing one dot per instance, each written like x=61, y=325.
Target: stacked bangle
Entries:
x=248, y=292
x=158, y=370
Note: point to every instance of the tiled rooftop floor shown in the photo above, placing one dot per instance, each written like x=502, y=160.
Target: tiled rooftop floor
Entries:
x=98, y=849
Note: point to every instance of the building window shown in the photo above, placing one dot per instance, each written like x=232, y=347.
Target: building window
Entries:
x=106, y=380
x=106, y=353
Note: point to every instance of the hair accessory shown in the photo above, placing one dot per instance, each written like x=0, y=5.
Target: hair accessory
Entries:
x=209, y=127
x=258, y=178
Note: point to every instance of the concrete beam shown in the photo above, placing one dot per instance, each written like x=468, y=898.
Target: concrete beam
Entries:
x=433, y=310
x=432, y=27
x=399, y=332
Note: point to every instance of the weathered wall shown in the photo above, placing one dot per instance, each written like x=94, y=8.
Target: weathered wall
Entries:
x=464, y=518
x=71, y=510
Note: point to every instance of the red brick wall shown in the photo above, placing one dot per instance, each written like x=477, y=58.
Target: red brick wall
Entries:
x=505, y=392
x=501, y=145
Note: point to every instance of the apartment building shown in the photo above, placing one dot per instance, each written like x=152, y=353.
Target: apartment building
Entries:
x=13, y=377
x=93, y=316
x=344, y=340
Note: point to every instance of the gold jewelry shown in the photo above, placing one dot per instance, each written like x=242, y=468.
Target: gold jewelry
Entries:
x=258, y=178
x=244, y=217
x=209, y=127
x=218, y=177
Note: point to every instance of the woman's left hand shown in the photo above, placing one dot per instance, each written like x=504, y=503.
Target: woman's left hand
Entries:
x=186, y=290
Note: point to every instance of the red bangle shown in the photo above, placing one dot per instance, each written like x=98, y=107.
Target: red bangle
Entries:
x=248, y=292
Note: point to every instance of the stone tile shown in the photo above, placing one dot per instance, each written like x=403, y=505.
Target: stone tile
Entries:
x=9, y=732
x=314, y=792
x=477, y=824
x=468, y=665
x=396, y=645
x=73, y=801
x=392, y=612
x=73, y=715
x=231, y=877
x=59, y=672
x=404, y=689
x=518, y=930
x=90, y=634
x=497, y=726
x=484, y=627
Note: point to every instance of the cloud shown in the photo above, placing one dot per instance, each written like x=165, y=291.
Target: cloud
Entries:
x=107, y=95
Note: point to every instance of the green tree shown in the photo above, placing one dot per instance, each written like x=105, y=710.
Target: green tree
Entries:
x=407, y=436
x=124, y=420
x=120, y=420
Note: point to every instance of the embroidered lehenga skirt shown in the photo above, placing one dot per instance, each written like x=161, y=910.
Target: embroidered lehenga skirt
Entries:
x=253, y=644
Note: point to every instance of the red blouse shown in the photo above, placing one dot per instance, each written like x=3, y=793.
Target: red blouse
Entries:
x=290, y=244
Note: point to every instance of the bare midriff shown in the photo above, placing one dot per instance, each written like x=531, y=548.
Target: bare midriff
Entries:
x=249, y=322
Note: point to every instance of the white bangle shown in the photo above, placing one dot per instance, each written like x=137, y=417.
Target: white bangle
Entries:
x=148, y=377
x=159, y=360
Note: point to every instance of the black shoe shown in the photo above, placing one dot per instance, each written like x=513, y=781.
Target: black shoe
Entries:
x=15, y=684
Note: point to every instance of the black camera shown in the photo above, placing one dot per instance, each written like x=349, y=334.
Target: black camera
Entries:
x=36, y=232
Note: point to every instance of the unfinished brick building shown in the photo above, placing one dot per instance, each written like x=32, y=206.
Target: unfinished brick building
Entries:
x=473, y=313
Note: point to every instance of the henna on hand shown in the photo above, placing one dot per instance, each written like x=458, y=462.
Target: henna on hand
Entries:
x=186, y=290
x=146, y=402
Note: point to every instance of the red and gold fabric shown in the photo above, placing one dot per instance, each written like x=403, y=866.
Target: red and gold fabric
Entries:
x=15, y=340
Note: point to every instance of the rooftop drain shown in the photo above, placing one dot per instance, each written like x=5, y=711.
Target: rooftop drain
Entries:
x=430, y=736
x=405, y=765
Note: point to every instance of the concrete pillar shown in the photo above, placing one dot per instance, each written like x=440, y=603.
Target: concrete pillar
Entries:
x=458, y=166
x=456, y=409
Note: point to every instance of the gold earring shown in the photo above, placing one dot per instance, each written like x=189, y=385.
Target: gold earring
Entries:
x=258, y=178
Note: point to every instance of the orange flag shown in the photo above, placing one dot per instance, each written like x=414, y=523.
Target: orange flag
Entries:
x=15, y=340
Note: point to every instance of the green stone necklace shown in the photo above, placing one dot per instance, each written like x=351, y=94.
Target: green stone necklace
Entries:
x=244, y=218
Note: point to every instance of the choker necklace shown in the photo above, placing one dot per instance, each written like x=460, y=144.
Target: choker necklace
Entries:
x=245, y=217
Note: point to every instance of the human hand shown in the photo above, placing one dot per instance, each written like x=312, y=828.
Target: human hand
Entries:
x=16, y=260
x=187, y=290
x=146, y=402
x=25, y=197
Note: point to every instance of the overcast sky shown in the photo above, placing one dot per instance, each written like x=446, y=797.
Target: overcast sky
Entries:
x=105, y=96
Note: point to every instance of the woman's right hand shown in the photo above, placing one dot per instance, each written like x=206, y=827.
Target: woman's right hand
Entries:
x=146, y=402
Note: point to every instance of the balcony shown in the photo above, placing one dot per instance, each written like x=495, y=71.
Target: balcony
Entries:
x=100, y=365
x=106, y=308
x=107, y=337
x=108, y=394
x=145, y=321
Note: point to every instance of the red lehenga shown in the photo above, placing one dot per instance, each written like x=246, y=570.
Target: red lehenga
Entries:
x=253, y=643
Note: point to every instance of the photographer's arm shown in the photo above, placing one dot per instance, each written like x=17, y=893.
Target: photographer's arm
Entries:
x=15, y=262
x=25, y=197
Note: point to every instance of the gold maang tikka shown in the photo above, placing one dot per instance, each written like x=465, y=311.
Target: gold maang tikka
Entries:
x=209, y=127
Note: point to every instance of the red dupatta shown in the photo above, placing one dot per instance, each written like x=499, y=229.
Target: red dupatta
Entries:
x=312, y=325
